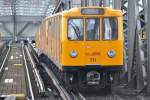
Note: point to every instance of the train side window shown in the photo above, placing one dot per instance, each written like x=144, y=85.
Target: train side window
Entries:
x=110, y=28
x=92, y=29
x=75, y=29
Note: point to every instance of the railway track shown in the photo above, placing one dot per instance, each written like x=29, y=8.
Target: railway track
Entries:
x=63, y=93
x=11, y=64
x=77, y=96
x=40, y=85
x=28, y=76
x=4, y=61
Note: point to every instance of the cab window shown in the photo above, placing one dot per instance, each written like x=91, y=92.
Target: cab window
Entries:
x=92, y=29
x=110, y=28
x=75, y=29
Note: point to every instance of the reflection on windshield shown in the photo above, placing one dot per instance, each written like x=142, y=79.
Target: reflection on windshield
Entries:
x=75, y=29
x=92, y=29
x=110, y=29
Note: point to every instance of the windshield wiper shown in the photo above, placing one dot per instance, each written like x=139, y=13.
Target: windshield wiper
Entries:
x=76, y=29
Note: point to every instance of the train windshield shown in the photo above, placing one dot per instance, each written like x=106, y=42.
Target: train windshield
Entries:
x=110, y=28
x=92, y=28
x=75, y=29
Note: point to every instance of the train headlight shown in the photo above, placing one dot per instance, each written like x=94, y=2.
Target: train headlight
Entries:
x=111, y=53
x=73, y=54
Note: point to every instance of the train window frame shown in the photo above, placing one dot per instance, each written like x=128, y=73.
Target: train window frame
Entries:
x=115, y=17
x=99, y=37
x=68, y=28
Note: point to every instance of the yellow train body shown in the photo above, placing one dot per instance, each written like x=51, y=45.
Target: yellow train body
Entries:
x=52, y=39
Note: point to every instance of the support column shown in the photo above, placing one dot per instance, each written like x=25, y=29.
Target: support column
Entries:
x=14, y=18
x=148, y=47
x=132, y=16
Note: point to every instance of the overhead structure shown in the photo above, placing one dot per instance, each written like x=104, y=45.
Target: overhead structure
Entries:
x=27, y=7
x=16, y=16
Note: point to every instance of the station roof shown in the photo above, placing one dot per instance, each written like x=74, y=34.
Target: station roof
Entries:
x=27, y=7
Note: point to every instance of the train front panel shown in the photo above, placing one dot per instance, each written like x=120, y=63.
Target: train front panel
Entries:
x=92, y=41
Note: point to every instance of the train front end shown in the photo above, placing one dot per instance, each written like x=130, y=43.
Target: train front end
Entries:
x=92, y=49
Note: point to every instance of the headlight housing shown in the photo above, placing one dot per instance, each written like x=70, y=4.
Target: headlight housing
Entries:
x=73, y=54
x=111, y=53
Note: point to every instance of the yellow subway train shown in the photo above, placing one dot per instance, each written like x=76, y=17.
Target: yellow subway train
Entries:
x=84, y=44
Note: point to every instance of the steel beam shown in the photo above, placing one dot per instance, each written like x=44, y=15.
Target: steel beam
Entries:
x=6, y=29
x=9, y=18
x=23, y=29
x=145, y=10
x=132, y=16
x=134, y=52
x=124, y=9
x=13, y=7
x=59, y=7
x=141, y=25
x=139, y=80
x=148, y=47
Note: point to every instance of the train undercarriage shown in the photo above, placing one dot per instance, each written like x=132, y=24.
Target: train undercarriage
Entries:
x=82, y=79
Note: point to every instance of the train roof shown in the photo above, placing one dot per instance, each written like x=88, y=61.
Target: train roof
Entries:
x=77, y=11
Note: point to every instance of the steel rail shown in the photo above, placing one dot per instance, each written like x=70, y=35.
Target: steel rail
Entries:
x=28, y=76
x=63, y=92
x=118, y=97
x=74, y=96
x=32, y=48
x=5, y=59
x=81, y=96
x=140, y=97
x=36, y=73
x=77, y=96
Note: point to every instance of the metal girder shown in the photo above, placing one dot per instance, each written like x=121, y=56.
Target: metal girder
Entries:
x=59, y=7
x=148, y=47
x=21, y=18
x=132, y=16
x=139, y=79
x=20, y=38
x=14, y=17
x=124, y=9
x=141, y=25
x=6, y=29
x=134, y=24
x=25, y=8
x=24, y=27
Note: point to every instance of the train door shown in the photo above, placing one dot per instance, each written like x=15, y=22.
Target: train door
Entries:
x=92, y=41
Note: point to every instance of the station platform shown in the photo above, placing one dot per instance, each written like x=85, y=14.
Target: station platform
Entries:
x=12, y=80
